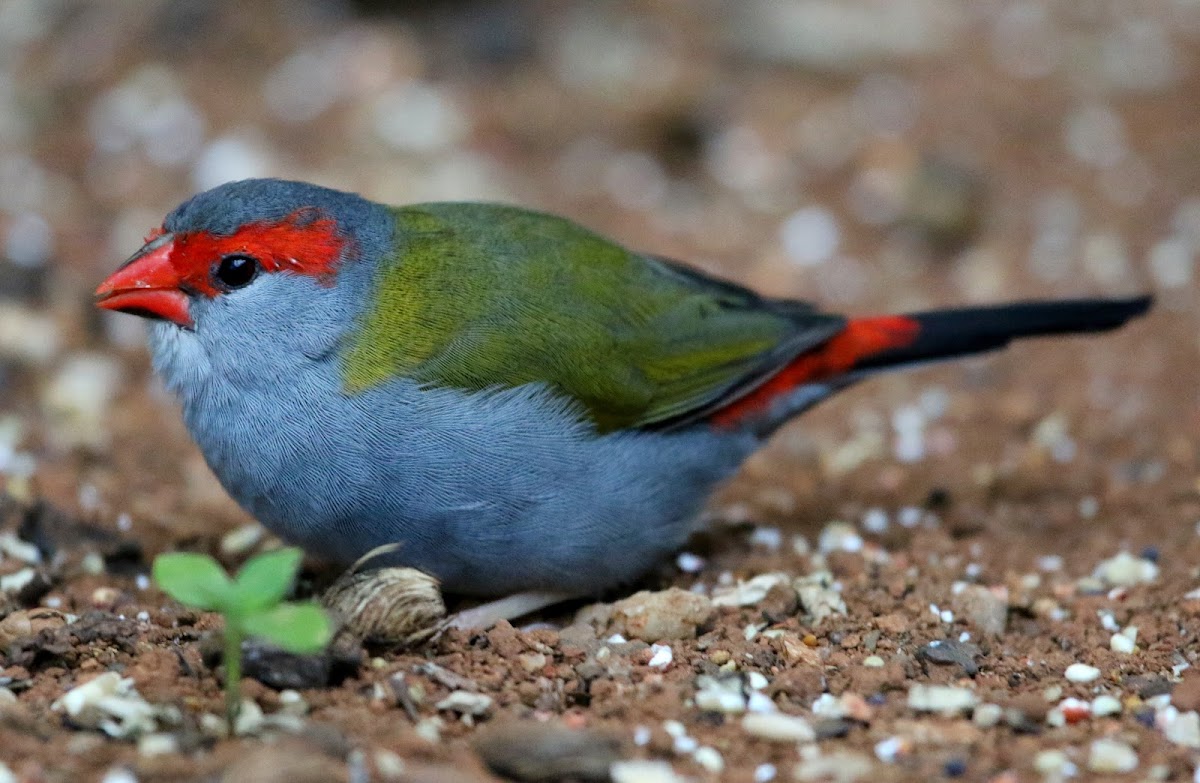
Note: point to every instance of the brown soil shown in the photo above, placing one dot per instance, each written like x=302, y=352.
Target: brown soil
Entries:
x=1039, y=463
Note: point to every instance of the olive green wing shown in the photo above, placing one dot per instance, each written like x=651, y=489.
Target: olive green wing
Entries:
x=484, y=296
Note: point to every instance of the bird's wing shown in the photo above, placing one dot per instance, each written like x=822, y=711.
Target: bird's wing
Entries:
x=483, y=296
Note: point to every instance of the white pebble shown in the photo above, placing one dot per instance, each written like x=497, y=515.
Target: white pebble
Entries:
x=1171, y=263
x=1095, y=135
x=230, y=158
x=768, y=537
x=875, y=521
x=419, y=117
x=1125, y=570
x=661, y=656
x=1105, y=705
x=638, y=771
x=764, y=773
x=1081, y=672
x=888, y=750
x=710, y=759
x=810, y=236
x=1182, y=728
x=119, y=775
x=947, y=700
x=778, y=727
x=641, y=736
x=1120, y=643
x=689, y=563
x=1109, y=755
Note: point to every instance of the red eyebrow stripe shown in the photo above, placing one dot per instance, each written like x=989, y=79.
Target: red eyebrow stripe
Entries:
x=298, y=244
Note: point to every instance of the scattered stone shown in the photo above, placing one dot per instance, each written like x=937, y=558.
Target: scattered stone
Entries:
x=1110, y=755
x=986, y=609
x=839, y=537
x=838, y=766
x=951, y=652
x=284, y=762
x=725, y=694
x=241, y=540
x=945, y=700
x=391, y=606
x=77, y=399
x=1081, y=672
x=1181, y=728
x=1054, y=764
x=660, y=656
x=1122, y=643
x=466, y=703
x=281, y=670
x=747, y=593
x=987, y=716
x=818, y=597
x=534, y=751
x=1125, y=570
x=112, y=704
x=638, y=771
x=157, y=744
x=1105, y=705
x=710, y=759
x=666, y=615
x=777, y=727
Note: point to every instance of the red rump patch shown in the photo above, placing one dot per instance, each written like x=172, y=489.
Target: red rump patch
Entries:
x=303, y=243
x=862, y=338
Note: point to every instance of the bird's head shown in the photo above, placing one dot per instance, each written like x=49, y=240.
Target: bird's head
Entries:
x=235, y=246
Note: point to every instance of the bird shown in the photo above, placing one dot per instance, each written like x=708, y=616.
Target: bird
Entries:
x=522, y=408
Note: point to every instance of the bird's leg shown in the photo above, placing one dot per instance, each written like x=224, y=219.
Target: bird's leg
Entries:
x=486, y=615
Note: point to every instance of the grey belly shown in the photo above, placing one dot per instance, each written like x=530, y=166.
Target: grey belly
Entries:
x=492, y=493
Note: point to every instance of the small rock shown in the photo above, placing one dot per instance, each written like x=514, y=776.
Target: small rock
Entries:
x=777, y=727
x=984, y=608
x=77, y=399
x=838, y=766
x=1120, y=643
x=1054, y=763
x=953, y=652
x=987, y=715
x=535, y=751
x=839, y=537
x=671, y=614
x=750, y=592
x=241, y=540
x=818, y=597
x=1105, y=705
x=638, y=771
x=1109, y=755
x=157, y=744
x=110, y=703
x=660, y=656
x=946, y=700
x=466, y=703
x=1081, y=672
x=1125, y=570
x=710, y=759
x=284, y=762
x=724, y=695
x=1181, y=728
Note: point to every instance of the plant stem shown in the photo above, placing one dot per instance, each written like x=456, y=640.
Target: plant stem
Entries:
x=233, y=673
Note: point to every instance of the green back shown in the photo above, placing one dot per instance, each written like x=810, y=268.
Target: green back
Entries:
x=483, y=296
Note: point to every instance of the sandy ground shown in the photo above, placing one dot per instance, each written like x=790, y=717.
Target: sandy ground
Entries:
x=985, y=571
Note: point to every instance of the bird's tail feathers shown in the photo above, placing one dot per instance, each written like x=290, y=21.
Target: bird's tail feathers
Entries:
x=875, y=344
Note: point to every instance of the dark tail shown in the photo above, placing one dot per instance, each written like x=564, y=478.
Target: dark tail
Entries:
x=944, y=334
x=874, y=344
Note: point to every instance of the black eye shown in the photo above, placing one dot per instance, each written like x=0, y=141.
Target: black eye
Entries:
x=236, y=271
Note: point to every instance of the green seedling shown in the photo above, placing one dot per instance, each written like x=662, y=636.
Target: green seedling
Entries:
x=251, y=603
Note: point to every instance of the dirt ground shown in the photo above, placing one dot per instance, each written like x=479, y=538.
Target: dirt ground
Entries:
x=983, y=571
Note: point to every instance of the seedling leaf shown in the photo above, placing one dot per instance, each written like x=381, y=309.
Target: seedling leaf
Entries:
x=264, y=580
x=195, y=580
x=301, y=628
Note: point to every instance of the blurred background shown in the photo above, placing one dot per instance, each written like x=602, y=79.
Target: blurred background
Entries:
x=870, y=154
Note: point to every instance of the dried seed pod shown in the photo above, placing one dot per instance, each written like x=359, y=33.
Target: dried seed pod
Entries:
x=394, y=606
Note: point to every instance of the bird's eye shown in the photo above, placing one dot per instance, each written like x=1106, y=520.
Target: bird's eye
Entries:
x=235, y=271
